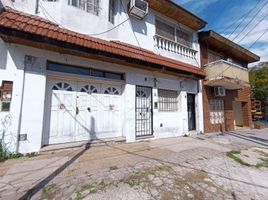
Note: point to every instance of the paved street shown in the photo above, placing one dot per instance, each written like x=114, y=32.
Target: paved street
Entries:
x=194, y=167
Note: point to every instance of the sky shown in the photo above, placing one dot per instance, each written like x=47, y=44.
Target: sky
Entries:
x=243, y=21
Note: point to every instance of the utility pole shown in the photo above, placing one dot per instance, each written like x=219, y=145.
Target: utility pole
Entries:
x=37, y=7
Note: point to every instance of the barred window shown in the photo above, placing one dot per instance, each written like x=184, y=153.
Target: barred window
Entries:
x=174, y=33
x=167, y=100
x=165, y=30
x=5, y=95
x=216, y=111
x=91, y=6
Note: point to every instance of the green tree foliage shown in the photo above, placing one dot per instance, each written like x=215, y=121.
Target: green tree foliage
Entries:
x=258, y=77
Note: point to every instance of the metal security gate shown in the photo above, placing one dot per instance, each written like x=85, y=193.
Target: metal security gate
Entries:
x=143, y=111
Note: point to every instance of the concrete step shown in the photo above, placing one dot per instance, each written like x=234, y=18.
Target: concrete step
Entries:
x=81, y=144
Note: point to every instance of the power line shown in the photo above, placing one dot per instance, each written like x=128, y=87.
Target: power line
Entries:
x=95, y=34
x=252, y=28
x=219, y=13
x=258, y=38
x=243, y=19
x=44, y=10
x=250, y=20
x=130, y=24
x=247, y=12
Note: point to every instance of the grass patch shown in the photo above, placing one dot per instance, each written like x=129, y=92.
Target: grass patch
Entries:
x=46, y=191
x=87, y=187
x=30, y=155
x=132, y=182
x=113, y=167
x=264, y=163
x=232, y=154
x=103, y=184
x=29, y=192
x=78, y=196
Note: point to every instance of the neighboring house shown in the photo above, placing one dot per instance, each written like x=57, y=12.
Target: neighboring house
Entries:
x=82, y=70
x=226, y=91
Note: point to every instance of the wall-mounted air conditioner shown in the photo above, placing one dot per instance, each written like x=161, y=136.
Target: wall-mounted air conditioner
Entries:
x=219, y=91
x=138, y=8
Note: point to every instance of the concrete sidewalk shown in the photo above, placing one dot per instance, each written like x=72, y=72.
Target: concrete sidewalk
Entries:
x=198, y=164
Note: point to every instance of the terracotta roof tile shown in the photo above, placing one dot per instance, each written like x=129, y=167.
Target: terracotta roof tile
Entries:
x=16, y=20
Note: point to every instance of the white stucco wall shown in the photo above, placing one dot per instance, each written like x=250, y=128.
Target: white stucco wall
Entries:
x=11, y=69
x=34, y=101
x=136, y=32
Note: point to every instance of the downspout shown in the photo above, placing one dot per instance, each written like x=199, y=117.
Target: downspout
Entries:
x=21, y=106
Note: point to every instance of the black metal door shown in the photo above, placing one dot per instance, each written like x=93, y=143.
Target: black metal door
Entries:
x=191, y=111
x=143, y=111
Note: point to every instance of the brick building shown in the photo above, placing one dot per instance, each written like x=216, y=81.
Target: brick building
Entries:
x=226, y=89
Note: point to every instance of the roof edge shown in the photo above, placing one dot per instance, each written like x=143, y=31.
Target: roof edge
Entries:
x=187, y=11
x=226, y=41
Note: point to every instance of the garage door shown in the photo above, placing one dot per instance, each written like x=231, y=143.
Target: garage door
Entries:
x=82, y=111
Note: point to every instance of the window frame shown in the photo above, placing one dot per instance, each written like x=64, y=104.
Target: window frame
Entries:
x=168, y=102
x=176, y=27
x=6, y=91
x=111, y=11
x=83, y=71
x=83, y=5
x=217, y=112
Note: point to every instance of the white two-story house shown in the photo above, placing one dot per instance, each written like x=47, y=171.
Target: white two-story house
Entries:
x=81, y=70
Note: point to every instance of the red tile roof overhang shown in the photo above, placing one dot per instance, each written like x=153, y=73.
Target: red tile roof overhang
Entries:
x=22, y=28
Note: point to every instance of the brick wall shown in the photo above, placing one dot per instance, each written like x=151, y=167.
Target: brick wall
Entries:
x=242, y=95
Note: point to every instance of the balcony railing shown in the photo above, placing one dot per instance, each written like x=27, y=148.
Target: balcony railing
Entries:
x=174, y=47
x=224, y=73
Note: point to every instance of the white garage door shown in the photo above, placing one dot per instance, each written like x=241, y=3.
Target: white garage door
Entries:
x=82, y=111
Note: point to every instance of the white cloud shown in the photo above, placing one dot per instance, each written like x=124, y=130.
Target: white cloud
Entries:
x=247, y=36
x=196, y=5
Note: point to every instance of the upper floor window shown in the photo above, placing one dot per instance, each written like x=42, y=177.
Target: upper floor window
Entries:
x=212, y=57
x=174, y=33
x=91, y=6
x=111, y=11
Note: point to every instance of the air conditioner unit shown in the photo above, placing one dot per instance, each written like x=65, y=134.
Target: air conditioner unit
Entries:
x=219, y=91
x=138, y=8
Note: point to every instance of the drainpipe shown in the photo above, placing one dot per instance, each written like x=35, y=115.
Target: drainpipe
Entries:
x=21, y=106
x=37, y=7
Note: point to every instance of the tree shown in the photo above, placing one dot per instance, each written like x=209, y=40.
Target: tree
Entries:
x=258, y=77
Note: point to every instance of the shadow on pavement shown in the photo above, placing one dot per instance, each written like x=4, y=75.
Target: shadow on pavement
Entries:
x=45, y=181
x=254, y=139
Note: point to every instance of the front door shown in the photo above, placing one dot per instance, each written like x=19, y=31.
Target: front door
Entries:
x=87, y=111
x=143, y=111
x=63, y=112
x=191, y=112
x=237, y=110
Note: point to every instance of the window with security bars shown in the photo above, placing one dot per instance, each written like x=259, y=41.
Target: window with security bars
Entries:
x=5, y=96
x=167, y=100
x=173, y=33
x=216, y=111
x=91, y=6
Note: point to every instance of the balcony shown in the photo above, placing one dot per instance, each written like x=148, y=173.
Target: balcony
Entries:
x=168, y=46
x=226, y=74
